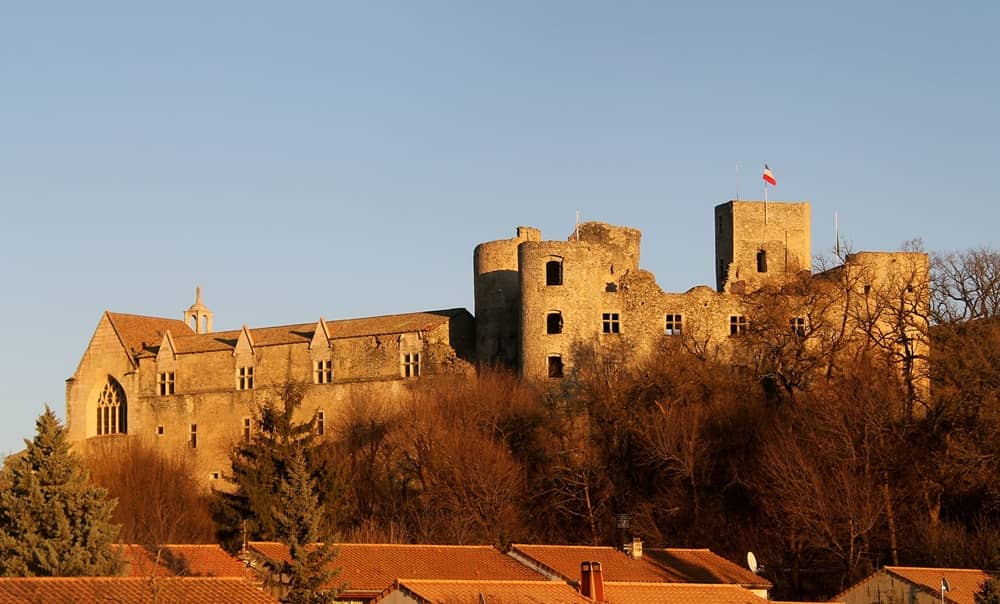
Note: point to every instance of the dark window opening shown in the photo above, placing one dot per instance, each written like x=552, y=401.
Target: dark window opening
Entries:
x=674, y=324
x=194, y=436
x=553, y=272
x=553, y=323
x=761, y=261
x=737, y=325
x=610, y=323
x=555, y=366
x=798, y=325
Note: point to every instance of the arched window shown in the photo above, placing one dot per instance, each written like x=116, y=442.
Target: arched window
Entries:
x=553, y=323
x=112, y=409
x=553, y=272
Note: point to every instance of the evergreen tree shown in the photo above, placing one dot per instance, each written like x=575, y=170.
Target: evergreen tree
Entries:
x=299, y=526
x=53, y=522
x=259, y=465
x=989, y=592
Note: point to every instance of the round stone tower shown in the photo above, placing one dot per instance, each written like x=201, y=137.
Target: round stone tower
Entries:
x=498, y=298
x=570, y=295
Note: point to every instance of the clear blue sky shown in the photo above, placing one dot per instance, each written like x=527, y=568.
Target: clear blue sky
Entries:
x=306, y=159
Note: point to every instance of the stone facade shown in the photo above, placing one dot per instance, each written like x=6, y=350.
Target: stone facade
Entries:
x=159, y=380
x=538, y=303
x=538, y=308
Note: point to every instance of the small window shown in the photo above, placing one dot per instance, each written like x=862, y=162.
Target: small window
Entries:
x=247, y=429
x=244, y=378
x=159, y=430
x=320, y=423
x=610, y=323
x=411, y=364
x=553, y=323
x=194, y=436
x=214, y=475
x=555, y=366
x=553, y=272
x=867, y=289
x=165, y=383
x=798, y=325
x=322, y=372
x=737, y=325
x=674, y=324
x=761, y=261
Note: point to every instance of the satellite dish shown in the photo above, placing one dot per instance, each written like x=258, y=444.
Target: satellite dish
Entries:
x=752, y=563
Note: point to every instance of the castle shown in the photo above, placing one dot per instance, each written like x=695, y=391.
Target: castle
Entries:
x=186, y=387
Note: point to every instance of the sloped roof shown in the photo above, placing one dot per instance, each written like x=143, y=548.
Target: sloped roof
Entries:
x=616, y=592
x=138, y=332
x=963, y=583
x=302, y=333
x=703, y=566
x=181, y=561
x=372, y=567
x=168, y=590
x=492, y=592
x=677, y=566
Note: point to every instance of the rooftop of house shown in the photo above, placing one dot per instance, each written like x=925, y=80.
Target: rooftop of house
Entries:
x=655, y=565
x=491, y=592
x=371, y=568
x=181, y=561
x=963, y=583
x=76, y=590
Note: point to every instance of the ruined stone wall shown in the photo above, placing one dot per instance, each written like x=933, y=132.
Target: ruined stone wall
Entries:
x=498, y=298
x=743, y=229
x=591, y=268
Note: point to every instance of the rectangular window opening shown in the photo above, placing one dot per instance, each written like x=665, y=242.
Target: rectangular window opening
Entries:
x=165, y=383
x=674, y=324
x=247, y=429
x=194, y=436
x=555, y=366
x=322, y=372
x=737, y=325
x=610, y=323
x=320, y=423
x=411, y=364
x=244, y=378
x=798, y=325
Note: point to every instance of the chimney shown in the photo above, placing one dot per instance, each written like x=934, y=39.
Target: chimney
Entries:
x=592, y=581
x=634, y=549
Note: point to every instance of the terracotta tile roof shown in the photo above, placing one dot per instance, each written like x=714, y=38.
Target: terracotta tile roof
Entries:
x=493, y=592
x=171, y=590
x=963, y=583
x=686, y=566
x=703, y=566
x=678, y=593
x=139, y=332
x=302, y=333
x=372, y=567
x=181, y=561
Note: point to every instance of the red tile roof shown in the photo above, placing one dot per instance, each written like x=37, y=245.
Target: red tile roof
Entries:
x=678, y=593
x=963, y=583
x=655, y=565
x=371, y=567
x=492, y=592
x=138, y=332
x=81, y=590
x=704, y=566
x=181, y=561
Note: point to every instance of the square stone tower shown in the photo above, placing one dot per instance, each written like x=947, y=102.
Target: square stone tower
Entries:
x=757, y=240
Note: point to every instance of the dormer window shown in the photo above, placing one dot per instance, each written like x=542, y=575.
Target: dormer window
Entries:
x=165, y=383
x=244, y=377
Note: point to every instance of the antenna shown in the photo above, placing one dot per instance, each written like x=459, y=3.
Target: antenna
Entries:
x=836, y=233
x=752, y=563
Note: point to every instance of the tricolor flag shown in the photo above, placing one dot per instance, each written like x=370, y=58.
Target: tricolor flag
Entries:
x=768, y=177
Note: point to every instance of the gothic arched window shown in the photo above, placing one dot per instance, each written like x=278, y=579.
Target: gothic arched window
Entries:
x=112, y=409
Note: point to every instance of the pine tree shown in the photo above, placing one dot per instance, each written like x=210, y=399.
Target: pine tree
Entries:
x=259, y=465
x=299, y=526
x=989, y=592
x=53, y=522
